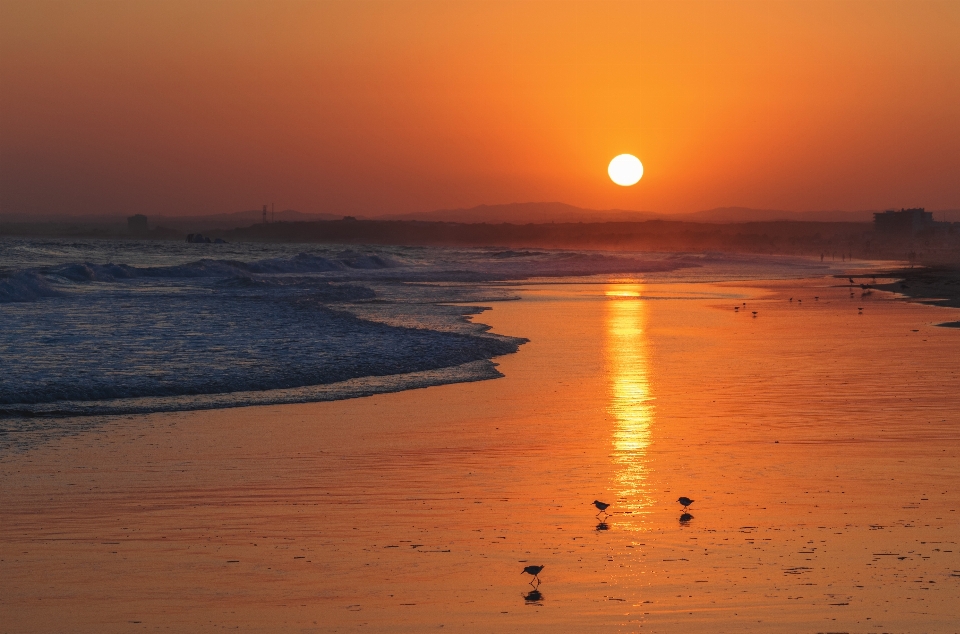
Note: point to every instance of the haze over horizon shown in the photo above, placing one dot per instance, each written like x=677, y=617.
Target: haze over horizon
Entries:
x=379, y=108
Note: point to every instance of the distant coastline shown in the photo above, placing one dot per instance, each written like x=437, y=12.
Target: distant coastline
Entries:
x=935, y=285
x=834, y=235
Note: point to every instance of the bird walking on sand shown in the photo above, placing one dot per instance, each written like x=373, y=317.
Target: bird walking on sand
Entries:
x=602, y=506
x=685, y=501
x=533, y=570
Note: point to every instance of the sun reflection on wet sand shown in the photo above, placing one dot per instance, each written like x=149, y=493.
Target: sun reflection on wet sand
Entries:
x=631, y=403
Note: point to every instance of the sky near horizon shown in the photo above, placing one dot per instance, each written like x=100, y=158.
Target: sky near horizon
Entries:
x=364, y=107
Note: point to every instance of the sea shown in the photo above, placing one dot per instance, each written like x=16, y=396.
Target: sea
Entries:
x=104, y=327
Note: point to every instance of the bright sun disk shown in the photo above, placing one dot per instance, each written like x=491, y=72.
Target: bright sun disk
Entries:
x=625, y=170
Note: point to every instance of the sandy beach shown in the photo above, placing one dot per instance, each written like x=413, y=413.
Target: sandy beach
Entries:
x=820, y=442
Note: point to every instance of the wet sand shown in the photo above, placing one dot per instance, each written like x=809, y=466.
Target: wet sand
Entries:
x=821, y=446
x=935, y=285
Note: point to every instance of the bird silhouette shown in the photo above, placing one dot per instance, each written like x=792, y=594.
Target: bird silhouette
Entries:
x=533, y=570
x=603, y=506
x=685, y=501
x=754, y=313
x=851, y=280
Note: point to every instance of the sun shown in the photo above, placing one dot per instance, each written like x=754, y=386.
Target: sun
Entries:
x=625, y=170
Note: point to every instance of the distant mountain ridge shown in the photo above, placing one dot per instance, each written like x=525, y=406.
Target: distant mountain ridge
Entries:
x=526, y=213
x=546, y=212
x=510, y=213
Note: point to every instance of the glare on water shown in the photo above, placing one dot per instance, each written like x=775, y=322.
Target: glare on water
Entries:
x=631, y=403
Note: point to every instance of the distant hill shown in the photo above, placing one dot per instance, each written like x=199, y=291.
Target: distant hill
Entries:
x=536, y=213
x=745, y=214
x=527, y=213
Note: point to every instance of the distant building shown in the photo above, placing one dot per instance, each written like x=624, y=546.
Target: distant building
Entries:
x=903, y=221
x=137, y=224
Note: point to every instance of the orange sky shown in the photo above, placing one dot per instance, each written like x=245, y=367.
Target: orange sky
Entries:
x=379, y=107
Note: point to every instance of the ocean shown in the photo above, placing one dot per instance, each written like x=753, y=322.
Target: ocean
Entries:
x=100, y=327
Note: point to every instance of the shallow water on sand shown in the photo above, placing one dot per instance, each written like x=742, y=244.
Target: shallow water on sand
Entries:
x=820, y=444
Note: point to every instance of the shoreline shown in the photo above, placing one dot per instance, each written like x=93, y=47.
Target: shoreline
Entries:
x=930, y=285
x=415, y=510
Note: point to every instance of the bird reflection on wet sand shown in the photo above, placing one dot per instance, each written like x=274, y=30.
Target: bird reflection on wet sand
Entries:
x=685, y=518
x=534, y=597
x=603, y=526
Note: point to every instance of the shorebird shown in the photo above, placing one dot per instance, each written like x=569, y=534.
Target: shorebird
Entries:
x=754, y=313
x=851, y=280
x=603, y=506
x=533, y=570
x=685, y=501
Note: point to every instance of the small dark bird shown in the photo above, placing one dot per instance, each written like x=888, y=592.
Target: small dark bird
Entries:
x=754, y=313
x=791, y=299
x=851, y=280
x=864, y=286
x=816, y=298
x=685, y=501
x=603, y=506
x=533, y=570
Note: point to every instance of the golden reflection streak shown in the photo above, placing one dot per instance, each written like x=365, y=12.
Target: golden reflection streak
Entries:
x=631, y=403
